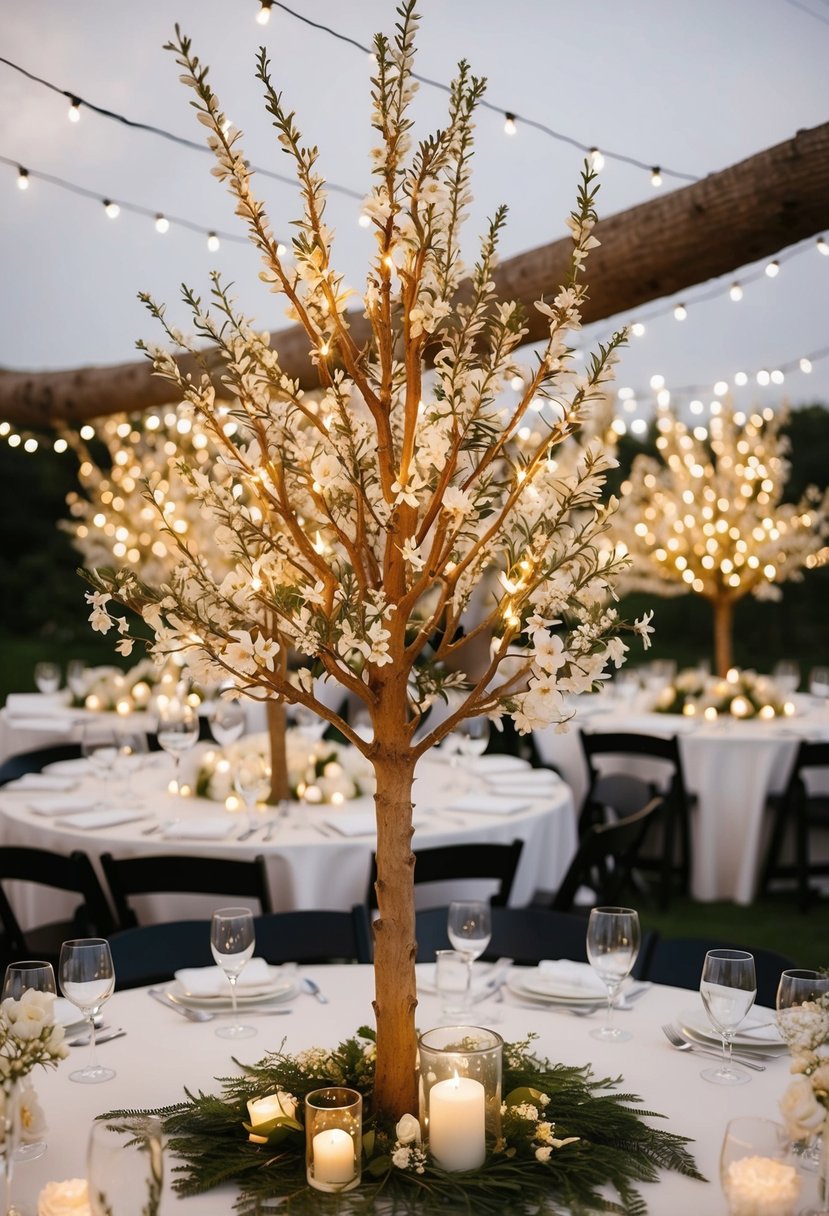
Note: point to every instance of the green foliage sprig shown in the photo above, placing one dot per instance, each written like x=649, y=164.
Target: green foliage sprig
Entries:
x=613, y=1150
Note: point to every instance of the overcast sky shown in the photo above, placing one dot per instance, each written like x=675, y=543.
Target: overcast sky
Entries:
x=693, y=87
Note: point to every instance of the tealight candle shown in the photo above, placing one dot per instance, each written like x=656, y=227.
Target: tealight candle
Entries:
x=272, y=1106
x=457, y=1123
x=333, y=1138
x=333, y=1152
x=69, y=1198
x=760, y=1186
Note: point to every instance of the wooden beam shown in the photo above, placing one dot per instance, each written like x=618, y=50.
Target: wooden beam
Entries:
x=743, y=213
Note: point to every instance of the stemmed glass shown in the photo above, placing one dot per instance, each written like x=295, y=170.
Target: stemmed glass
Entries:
x=232, y=942
x=87, y=979
x=613, y=938
x=803, y=1022
x=178, y=731
x=786, y=675
x=469, y=928
x=77, y=674
x=129, y=757
x=728, y=987
x=19, y=978
x=99, y=745
x=227, y=722
x=252, y=782
x=47, y=677
x=819, y=685
x=472, y=736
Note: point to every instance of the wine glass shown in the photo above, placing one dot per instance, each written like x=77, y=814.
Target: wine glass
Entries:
x=469, y=928
x=786, y=675
x=819, y=684
x=99, y=745
x=227, y=722
x=47, y=677
x=19, y=978
x=472, y=736
x=125, y=1166
x=232, y=942
x=309, y=724
x=755, y=1155
x=252, y=782
x=177, y=732
x=613, y=938
x=87, y=979
x=728, y=987
x=129, y=758
x=77, y=674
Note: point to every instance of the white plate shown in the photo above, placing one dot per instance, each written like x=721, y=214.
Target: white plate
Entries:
x=284, y=985
x=572, y=981
x=76, y=767
x=518, y=987
x=758, y=1030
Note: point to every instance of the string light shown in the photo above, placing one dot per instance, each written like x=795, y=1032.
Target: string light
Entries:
x=773, y=269
x=22, y=178
x=822, y=246
x=637, y=329
x=509, y=123
x=596, y=160
x=735, y=291
x=805, y=366
x=264, y=14
x=213, y=242
x=364, y=220
x=162, y=224
x=74, y=112
x=112, y=209
x=656, y=177
x=680, y=312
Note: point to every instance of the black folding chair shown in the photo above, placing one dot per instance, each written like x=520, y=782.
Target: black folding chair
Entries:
x=176, y=873
x=446, y=863
x=35, y=761
x=678, y=961
x=315, y=936
x=152, y=954
x=801, y=813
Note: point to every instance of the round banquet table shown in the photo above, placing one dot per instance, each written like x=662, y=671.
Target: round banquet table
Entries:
x=317, y=856
x=162, y=1054
x=730, y=765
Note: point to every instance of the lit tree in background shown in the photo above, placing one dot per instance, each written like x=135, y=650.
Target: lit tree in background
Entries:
x=706, y=516
x=358, y=525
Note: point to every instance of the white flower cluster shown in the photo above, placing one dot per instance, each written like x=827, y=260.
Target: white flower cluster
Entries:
x=28, y=1036
x=524, y=1126
x=805, y=1104
x=408, y=1152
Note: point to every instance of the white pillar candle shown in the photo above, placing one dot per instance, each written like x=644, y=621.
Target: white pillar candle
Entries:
x=457, y=1115
x=760, y=1186
x=272, y=1106
x=333, y=1157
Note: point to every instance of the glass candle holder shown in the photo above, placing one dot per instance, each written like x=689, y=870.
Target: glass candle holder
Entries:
x=460, y=1093
x=333, y=1138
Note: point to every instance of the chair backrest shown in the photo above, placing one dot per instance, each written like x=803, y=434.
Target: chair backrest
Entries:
x=128, y=876
x=73, y=874
x=678, y=961
x=808, y=756
x=451, y=862
x=36, y=761
x=628, y=743
x=314, y=936
x=605, y=857
x=152, y=954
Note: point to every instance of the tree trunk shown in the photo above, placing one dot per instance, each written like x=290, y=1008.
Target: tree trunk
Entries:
x=395, y=1086
x=723, y=621
x=682, y=237
x=280, y=788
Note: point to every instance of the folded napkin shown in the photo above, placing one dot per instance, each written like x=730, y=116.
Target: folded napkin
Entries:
x=566, y=978
x=42, y=781
x=79, y=766
x=101, y=819
x=488, y=804
x=36, y=705
x=353, y=823
x=59, y=804
x=49, y=722
x=495, y=763
x=212, y=981
x=535, y=782
x=198, y=829
x=761, y=1025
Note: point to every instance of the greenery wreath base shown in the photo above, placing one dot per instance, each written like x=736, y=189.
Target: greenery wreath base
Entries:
x=566, y=1137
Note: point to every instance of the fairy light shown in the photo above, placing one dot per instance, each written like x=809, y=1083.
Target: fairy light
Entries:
x=364, y=220
x=213, y=242
x=112, y=209
x=596, y=160
x=637, y=329
x=510, y=126
x=772, y=269
x=822, y=246
x=735, y=291
x=280, y=250
x=656, y=177
x=264, y=14
x=680, y=312
x=22, y=178
x=805, y=366
x=74, y=111
x=162, y=224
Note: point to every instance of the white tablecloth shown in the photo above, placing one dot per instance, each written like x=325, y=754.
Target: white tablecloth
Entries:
x=310, y=863
x=162, y=1054
x=730, y=765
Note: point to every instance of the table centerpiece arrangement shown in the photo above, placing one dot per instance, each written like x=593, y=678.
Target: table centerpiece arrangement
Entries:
x=359, y=523
x=742, y=693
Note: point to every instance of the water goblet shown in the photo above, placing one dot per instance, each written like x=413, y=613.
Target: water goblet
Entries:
x=77, y=675
x=232, y=942
x=177, y=732
x=21, y=977
x=252, y=782
x=99, y=745
x=309, y=724
x=755, y=1174
x=786, y=675
x=728, y=987
x=472, y=736
x=469, y=928
x=130, y=756
x=227, y=722
x=613, y=938
x=47, y=677
x=125, y=1166
x=819, y=685
x=87, y=979
x=451, y=982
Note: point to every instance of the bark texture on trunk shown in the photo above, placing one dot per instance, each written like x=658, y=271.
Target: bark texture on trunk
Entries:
x=395, y=1087
x=723, y=623
x=279, y=765
x=683, y=237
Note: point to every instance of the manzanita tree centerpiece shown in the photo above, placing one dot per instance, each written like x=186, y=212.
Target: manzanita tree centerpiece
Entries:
x=359, y=522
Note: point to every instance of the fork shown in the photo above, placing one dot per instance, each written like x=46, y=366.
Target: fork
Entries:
x=675, y=1038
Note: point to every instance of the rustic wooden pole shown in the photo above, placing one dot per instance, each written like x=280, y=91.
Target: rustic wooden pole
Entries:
x=749, y=211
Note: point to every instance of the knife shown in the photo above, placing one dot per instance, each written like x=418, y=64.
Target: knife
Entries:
x=103, y=1036
x=192, y=1015
x=313, y=987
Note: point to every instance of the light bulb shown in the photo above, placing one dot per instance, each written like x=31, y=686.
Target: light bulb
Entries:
x=637, y=329
x=773, y=270
x=657, y=382
x=22, y=178
x=720, y=388
x=364, y=220
x=596, y=160
x=509, y=123
x=74, y=112
x=680, y=312
x=212, y=242
x=281, y=250
x=736, y=292
x=741, y=379
x=777, y=376
x=162, y=224
x=822, y=246
x=264, y=14
x=763, y=377
x=656, y=177
x=806, y=365
x=112, y=209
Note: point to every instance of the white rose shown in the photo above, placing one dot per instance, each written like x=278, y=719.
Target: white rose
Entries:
x=70, y=1198
x=801, y=1111
x=408, y=1130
